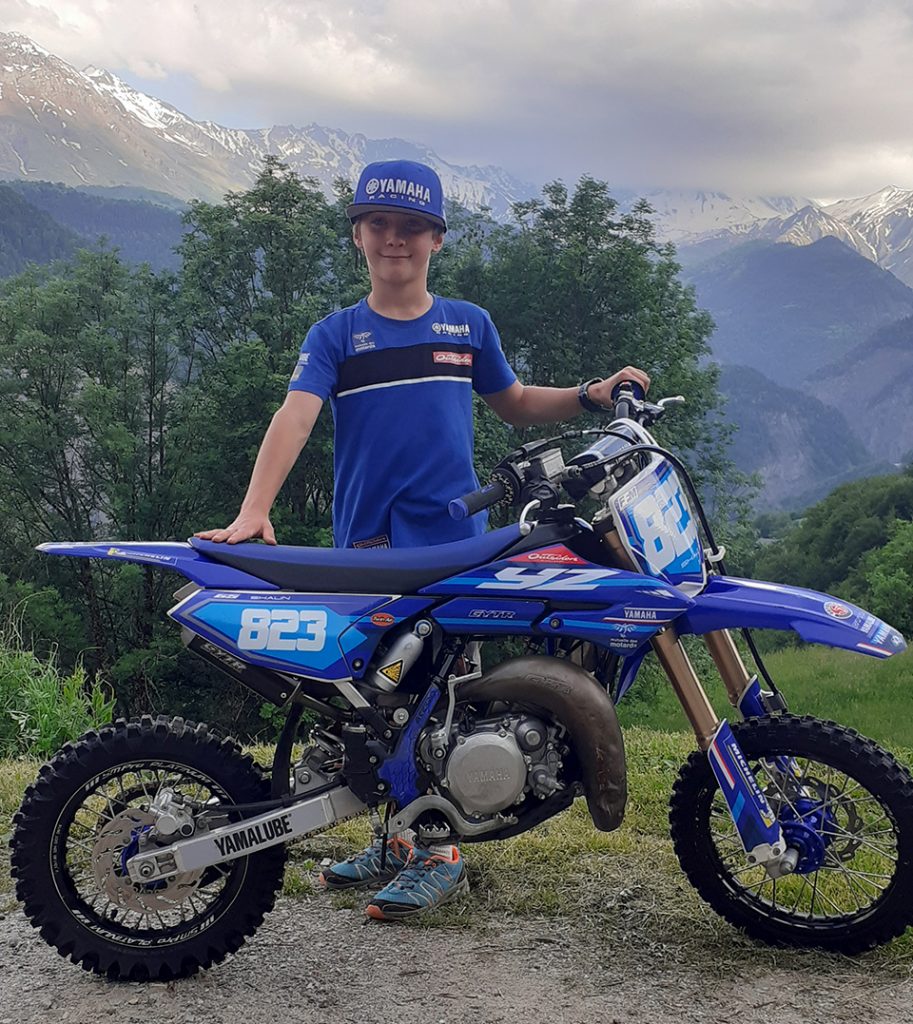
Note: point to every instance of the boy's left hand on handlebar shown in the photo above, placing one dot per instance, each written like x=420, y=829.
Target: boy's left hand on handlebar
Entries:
x=601, y=392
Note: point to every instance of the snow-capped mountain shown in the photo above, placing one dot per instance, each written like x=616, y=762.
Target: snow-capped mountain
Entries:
x=89, y=127
x=683, y=216
x=878, y=226
x=885, y=220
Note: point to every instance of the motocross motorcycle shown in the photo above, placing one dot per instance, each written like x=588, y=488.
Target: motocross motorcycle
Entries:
x=151, y=848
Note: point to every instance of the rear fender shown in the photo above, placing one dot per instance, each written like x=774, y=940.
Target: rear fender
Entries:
x=178, y=557
x=732, y=603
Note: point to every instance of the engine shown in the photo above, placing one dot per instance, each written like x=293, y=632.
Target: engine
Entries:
x=492, y=763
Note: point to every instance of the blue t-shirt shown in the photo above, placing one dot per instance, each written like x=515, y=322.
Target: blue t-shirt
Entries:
x=401, y=392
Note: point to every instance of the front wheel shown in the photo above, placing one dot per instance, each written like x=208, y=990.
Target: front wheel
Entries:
x=79, y=823
x=844, y=804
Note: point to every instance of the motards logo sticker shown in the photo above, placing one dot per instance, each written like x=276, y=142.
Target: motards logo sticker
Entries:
x=254, y=836
x=454, y=358
x=836, y=610
x=558, y=555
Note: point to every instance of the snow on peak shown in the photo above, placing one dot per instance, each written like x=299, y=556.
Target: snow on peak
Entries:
x=147, y=110
x=17, y=43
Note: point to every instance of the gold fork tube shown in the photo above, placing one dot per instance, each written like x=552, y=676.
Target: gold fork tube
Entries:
x=673, y=657
x=677, y=666
x=729, y=663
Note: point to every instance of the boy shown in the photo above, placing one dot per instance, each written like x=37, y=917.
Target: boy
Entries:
x=399, y=368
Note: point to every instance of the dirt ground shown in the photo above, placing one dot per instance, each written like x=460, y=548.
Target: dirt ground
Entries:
x=313, y=963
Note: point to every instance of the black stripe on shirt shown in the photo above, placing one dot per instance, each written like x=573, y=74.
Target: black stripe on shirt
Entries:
x=434, y=359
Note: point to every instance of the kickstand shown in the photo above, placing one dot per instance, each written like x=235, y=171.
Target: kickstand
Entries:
x=385, y=839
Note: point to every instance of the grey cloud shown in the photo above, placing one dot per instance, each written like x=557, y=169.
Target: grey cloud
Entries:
x=807, y=96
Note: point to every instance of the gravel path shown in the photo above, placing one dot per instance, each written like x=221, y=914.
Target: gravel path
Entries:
x=310, y=963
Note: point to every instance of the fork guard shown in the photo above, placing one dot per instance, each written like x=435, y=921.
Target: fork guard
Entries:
x=579, y=703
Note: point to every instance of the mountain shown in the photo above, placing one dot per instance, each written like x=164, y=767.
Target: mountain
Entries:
x=143, y=232
x=789, y=311
x=878, y=226
x=885, y=220
x=801, y=448
x=29, y=235
x=685, y=217
x=873, y=384
x=90, y=128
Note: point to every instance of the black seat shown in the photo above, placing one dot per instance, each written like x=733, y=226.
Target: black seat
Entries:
x=349, y=571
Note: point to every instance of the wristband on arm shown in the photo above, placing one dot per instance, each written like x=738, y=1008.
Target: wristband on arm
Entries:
x=584, y=398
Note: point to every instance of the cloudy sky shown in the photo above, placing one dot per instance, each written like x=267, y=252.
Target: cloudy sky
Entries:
x=803, y=97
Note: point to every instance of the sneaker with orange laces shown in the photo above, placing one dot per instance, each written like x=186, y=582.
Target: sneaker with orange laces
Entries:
x=364, y=868
x=428, y=880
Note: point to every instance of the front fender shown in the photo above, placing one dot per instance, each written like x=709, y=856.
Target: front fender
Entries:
x=732, y=603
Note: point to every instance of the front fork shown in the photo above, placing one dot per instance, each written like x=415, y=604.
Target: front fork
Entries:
x=755, y=823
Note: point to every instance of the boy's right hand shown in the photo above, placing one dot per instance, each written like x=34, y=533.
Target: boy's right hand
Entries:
x=245, y=527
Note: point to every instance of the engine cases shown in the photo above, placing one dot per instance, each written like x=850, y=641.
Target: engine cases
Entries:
x=573, y=697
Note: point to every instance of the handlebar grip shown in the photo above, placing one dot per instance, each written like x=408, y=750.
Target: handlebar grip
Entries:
x=623, y=394
x=475, y=501
x=636, y=390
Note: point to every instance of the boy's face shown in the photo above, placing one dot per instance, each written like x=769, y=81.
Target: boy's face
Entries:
x=397, y=246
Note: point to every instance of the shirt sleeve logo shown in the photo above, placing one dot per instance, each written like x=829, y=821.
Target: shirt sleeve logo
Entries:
x=454, y=358
x=300, y=365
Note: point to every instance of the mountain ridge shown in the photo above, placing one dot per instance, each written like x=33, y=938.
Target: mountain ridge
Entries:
x=91, y=128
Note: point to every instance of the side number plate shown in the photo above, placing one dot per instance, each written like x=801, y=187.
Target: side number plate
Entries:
x=282, y=629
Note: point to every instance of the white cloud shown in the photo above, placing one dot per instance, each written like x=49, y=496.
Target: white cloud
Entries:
x=803, y=96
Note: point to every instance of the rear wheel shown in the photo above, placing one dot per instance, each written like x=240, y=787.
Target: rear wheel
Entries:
x=846, y=807
x=79, y=823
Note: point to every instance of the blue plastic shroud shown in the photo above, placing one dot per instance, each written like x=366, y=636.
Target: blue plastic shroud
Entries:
x=330, y=637
x=732, y=603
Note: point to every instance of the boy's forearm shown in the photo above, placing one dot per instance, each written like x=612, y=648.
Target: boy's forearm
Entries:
x=282, y=444
x=545, y=405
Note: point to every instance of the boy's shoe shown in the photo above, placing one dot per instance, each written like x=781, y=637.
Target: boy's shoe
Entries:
x=364, y=868
x=428, y=880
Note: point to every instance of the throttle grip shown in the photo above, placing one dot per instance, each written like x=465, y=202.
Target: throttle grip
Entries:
x=636, y=390
x=475, y=501
x=622, y=395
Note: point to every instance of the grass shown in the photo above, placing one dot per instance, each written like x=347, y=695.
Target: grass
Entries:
x=873, y=696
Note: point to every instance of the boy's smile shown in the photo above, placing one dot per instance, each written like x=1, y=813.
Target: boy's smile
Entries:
x=402, y=240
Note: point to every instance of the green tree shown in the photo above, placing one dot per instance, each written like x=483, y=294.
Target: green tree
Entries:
x=834, y=535
x=883, y=580
x=258, y=271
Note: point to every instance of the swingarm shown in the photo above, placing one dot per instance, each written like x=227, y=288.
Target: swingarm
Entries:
x=217, y=846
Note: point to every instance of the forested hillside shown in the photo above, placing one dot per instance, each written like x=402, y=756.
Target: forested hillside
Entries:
x=41, y=222
x=857, y=543
x=29, y=235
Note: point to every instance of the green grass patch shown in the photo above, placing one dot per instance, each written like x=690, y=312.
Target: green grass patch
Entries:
x=872, y=696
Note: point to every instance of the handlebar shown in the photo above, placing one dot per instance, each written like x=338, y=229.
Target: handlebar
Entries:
x=536, y=470
x=475, y=501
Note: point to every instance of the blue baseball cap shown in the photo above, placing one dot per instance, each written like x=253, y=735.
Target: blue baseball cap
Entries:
x=401, y=185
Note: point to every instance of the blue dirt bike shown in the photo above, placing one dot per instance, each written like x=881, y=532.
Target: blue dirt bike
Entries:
x=152, y=848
